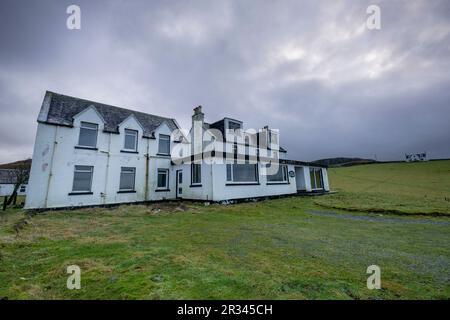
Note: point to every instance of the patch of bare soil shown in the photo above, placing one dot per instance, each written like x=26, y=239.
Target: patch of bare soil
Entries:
x=167, y=207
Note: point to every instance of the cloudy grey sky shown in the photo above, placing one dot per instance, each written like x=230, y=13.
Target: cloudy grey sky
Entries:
x=310, y=68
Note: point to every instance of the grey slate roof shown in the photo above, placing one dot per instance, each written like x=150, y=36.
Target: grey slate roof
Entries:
x=7, y=176
x=60, y=109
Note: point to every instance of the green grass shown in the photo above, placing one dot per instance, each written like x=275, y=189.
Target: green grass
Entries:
x=409, y=188
x=278, y=249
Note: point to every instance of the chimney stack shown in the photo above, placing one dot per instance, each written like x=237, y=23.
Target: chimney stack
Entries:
x=198, y=115
x=198, y=119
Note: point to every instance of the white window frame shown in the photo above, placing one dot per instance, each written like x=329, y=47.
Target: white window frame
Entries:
x=192, y=174
x=312, y=172
x=165, y=137
x=86, y=126
x=240, y=182
x=90, y=170
x=131, y=170
x=130, y=132
x=166, y=172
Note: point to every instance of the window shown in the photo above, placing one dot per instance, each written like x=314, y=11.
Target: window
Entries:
x=127, y=178
x=232, y=125
x=280, y=176
x=315, y=175
x=196, y=173
x=164, y=144
x=23, y=188
x=247, y=147
x=88, y=135
x=163, y=179
x=82, y=179
x=131, y=140
x=242, y=172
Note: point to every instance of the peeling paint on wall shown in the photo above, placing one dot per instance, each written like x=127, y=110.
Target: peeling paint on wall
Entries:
x=46, y=150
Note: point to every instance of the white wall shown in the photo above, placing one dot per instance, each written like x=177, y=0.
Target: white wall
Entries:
x=326, y=183
x=203, y=192
x=107, y=162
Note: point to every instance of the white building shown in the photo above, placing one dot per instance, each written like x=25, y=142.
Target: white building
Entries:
x=414, y=157
x=87, y=153
x=8, y=180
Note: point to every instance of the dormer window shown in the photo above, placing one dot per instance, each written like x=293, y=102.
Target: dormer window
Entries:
x=131, y=140
x=88, y=135
x=233, y=125
x=164, y=144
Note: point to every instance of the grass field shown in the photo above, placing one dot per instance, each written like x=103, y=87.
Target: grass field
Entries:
x=279, y=249
x=418, y=188
x=289, y=248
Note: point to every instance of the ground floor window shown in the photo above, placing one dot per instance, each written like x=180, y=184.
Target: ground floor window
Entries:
x=242, y=172
x=316, y=178
x=280, y=176
x=23, y=188
x=196, y=173
x=82, y=179
x=127, y=178
x=163, y=179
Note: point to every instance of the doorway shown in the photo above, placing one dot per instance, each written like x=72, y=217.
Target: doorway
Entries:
x=300, y=178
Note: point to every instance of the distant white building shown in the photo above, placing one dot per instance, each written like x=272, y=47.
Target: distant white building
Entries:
x=8, y=180
x=87, y=153
x=412, y=157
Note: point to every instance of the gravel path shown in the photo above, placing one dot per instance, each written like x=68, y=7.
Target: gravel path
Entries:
x=375, y=217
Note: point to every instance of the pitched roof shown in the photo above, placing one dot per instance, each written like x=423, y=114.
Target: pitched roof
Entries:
x=60, y=109
x=8, y=176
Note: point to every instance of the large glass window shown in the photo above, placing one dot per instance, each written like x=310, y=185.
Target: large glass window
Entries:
x=280, y=176
x=315, y=175
x=196, y=173
x=127, y=178
x=163, y=179
x=164, y=144
x=242, y=172
x=82, y=179
x=131, y=140
x=88, y=135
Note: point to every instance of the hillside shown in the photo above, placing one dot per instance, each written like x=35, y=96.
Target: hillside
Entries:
x=343, y=161
x=419, y=187
x=21, y=163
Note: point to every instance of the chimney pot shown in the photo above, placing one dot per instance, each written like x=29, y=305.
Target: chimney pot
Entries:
x=198, y=110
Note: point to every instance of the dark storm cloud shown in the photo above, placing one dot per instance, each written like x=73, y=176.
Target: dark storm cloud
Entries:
x=309, y=68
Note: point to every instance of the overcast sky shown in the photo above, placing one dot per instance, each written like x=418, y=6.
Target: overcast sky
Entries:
x=310, y=68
